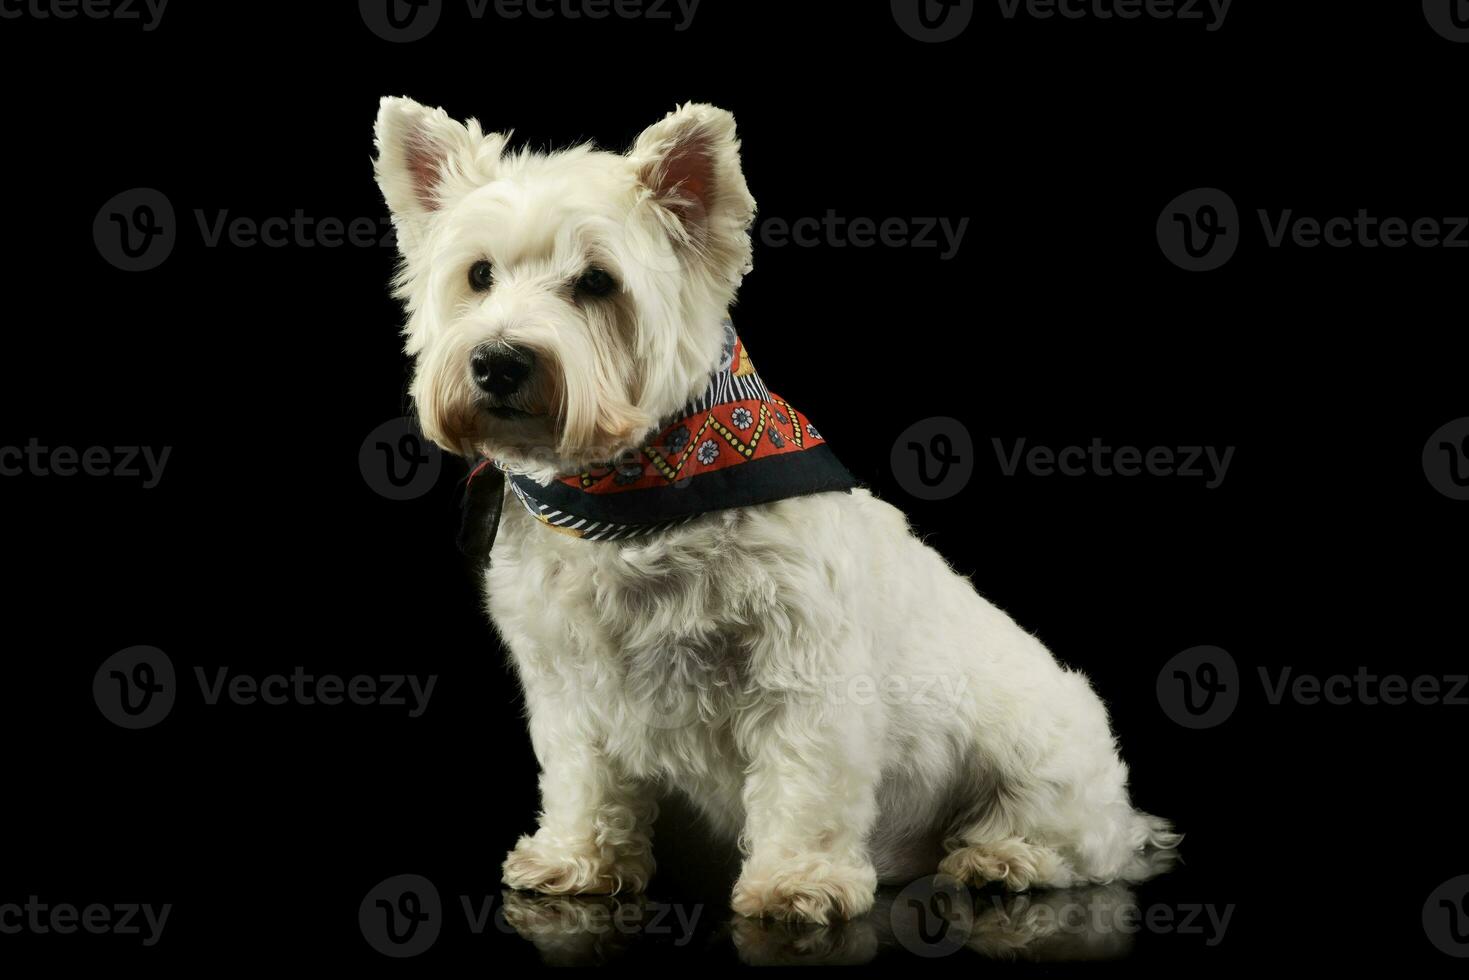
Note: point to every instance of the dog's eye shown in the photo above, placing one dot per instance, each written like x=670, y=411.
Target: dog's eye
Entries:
x=481, y=276
x=596, y=282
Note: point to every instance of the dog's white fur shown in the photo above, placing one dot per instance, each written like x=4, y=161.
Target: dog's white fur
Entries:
x=816, y=680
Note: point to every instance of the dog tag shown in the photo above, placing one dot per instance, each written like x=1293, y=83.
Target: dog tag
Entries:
x=484, y=498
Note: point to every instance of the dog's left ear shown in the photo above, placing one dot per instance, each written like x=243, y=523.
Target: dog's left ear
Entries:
x=689, y=166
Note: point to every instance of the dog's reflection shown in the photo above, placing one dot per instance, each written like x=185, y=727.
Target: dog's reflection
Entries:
x=930, y=918
x=938, y=918
x=763, y=942
x=586, y=930
x=1074, y=924
x=573, y=931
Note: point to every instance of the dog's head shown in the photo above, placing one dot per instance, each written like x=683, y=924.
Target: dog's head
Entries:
x=560, y=304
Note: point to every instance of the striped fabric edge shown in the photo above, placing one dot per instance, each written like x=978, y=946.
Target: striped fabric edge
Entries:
x=586, y=529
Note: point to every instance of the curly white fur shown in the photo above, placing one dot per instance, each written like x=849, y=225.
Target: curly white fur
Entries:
x=823, y=686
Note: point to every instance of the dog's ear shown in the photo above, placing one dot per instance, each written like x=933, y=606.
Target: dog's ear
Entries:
x=689, y=166
x=425, y=159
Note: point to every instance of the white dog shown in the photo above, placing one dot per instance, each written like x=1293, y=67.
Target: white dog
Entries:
x=751, y=632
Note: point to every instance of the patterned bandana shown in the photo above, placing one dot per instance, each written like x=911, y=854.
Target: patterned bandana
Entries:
x=733, y=446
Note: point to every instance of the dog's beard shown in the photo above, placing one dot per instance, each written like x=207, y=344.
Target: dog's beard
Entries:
x=598, y=411
x=448, y=405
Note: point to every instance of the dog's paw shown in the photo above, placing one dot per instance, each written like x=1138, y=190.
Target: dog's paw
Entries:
x=1014, y=862
x=807, y=890
x=563, y=868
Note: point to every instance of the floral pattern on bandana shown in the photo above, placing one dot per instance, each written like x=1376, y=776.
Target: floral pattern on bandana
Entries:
x=736, y=420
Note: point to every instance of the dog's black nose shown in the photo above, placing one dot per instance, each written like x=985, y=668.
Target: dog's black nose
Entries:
x=499, y=369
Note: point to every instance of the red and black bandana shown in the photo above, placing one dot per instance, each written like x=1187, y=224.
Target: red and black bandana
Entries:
x=733, y=446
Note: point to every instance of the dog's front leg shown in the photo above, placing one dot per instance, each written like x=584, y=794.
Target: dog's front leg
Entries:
x=810, y=802
x=595, y=834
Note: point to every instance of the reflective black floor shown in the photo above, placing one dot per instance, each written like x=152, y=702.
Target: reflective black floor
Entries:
x=930, y=919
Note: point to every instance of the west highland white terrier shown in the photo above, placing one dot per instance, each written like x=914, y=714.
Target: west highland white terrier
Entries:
x=696, y=596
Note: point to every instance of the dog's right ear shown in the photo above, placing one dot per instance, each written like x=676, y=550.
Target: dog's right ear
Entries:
x=425, y=160
x=688, y=164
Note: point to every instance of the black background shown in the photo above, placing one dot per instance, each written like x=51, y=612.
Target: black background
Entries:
x=1059, y=320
